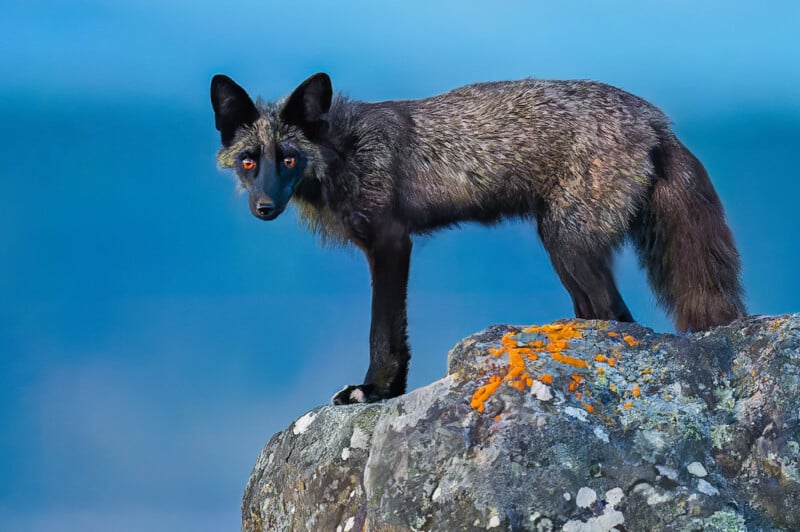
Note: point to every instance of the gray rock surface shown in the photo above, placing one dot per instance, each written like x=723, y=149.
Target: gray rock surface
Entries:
x=574, y=426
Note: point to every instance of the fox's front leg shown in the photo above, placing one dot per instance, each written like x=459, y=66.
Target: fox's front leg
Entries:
x=388, y=252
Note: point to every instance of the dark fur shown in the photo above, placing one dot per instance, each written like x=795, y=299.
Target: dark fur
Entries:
x=590, y=163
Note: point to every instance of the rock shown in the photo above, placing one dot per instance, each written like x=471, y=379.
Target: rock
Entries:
x=579, y=425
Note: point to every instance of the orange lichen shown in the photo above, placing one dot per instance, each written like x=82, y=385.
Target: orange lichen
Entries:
x=628, y=405
x=484, y=392
x=498, y=417
x=558, y=345
x=556, y=331
x=518, y=385
x=612, y=361
x=636, y=391
x=572, y=361
x=589, y=408
x=612, y=334
x=521, y=351
x=557, y=336
x=517, y=365
x=507, y=341
x=515, y=374
x=576, y=381
x=630, y=340
x=600, y=358
x=497, y=351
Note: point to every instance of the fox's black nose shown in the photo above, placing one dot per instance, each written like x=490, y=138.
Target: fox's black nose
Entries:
x=265, y=208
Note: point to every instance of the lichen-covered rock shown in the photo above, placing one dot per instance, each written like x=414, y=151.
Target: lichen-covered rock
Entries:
x=581, y=425
x=310, y=476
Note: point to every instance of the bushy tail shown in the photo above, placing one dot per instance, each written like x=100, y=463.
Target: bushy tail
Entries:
x=685, y=244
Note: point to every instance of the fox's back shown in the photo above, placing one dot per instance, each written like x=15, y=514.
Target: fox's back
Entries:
x=524, y=140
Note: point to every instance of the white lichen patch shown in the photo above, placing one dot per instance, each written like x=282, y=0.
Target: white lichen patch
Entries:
x=655, y=439
x=725, y=520
x=541, y=391
x=567, y=496
x=577, y=413
x=668, y=472
x=601, y=434
x=605, y=522
x=585, y=497
x=651, y=495
x=720, y=435
x=359, y=439
x=614, y=496
x=345, y=453
x=302, y=424
x=706, y=488
x=697, y=469
x=349, y=524
x=494, y=522
x=650, y=444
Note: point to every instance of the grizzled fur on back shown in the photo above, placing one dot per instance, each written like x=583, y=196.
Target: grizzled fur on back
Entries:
x=590, y=163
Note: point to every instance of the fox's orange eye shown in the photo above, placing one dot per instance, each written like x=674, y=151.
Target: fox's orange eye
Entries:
x=289, y=162
x=248, y=164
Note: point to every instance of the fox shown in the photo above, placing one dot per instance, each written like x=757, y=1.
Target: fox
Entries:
x=590, y=164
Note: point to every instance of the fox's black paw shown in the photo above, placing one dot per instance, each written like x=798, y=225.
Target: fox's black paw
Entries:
x=362, y=393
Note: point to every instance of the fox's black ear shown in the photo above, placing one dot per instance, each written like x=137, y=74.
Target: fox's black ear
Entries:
x=233, y=108
x=309, y=101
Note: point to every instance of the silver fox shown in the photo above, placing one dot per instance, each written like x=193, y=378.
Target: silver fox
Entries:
x=590, y=163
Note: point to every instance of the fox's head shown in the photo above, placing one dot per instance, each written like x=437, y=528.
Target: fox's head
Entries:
x=271, y=147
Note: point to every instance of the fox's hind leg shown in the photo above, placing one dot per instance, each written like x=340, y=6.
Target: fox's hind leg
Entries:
x=590, y=282
x=584, y=264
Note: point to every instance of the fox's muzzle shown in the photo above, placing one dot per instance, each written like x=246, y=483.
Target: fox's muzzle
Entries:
x=263, y=207
x=267, y=196
x=273, y=188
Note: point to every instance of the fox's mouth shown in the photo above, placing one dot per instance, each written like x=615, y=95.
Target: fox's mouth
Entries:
x=267, y=213
x=265, y=208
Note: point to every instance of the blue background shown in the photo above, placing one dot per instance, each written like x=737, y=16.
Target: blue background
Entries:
x=153, y=334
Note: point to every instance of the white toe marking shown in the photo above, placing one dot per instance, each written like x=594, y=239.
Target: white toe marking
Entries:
x=357, y=396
